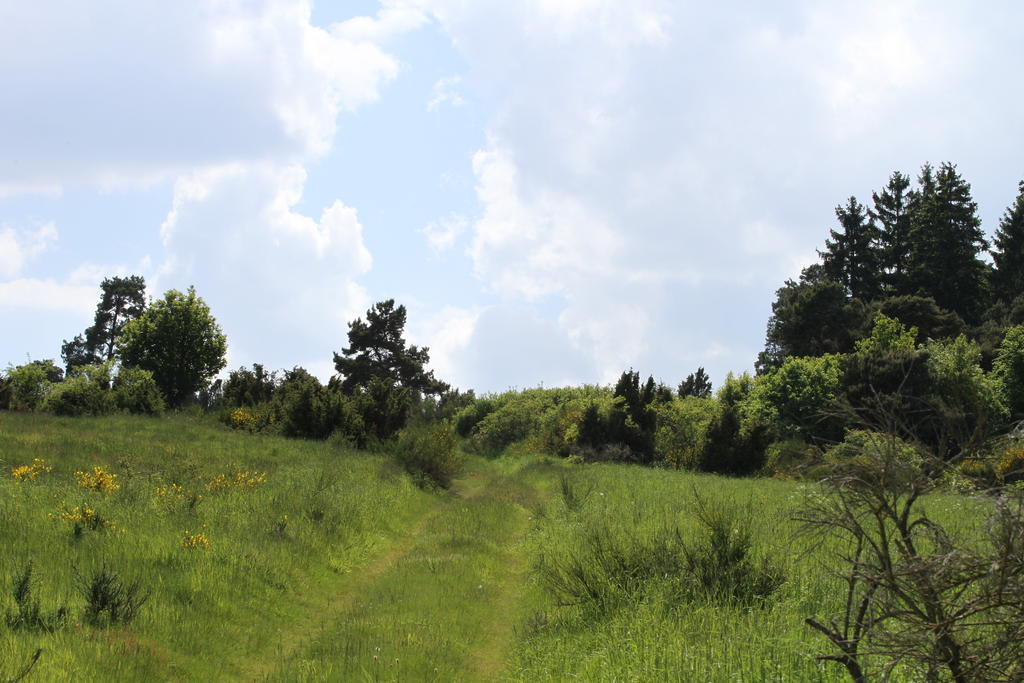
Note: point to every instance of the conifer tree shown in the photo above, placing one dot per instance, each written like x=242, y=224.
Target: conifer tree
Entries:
x=945, y=239
x=1008, y=254
x=892, y=211
x=851, y=257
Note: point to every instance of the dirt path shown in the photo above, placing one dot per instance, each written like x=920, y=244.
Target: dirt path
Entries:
x=441, y=602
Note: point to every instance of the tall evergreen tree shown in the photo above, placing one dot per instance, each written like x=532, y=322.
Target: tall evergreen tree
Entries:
x=377, y=350
x=1008, y=254
x=945, y=239
x=851, y=257
x=892, y=211
x=122, y=300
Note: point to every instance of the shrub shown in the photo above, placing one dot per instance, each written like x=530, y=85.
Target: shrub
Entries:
x=1010, y=468
x=29, y=614
x=428, y=453
x=720, y=565
x=312, y=411
x=469, y=417
x=29, y=386
x=797, y=396
x=136, y=392
x=85, y=393
x=1009, y=368
x=732, y=448
x=109, y=600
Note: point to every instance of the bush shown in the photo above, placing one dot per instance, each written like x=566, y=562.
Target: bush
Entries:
x=85, y=393
x=720, y=564
x=29, y=614
x=470, y=416
x=136, y=392
x=733, y=448
x=312, y=411
x=428, y=454
x=1009, y=368
x=109, y=601
x=29, y=386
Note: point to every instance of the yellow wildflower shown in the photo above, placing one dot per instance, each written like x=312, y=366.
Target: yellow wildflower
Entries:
x=32, y=471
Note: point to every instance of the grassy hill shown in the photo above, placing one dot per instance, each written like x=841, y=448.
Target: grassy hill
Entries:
x=262, y=558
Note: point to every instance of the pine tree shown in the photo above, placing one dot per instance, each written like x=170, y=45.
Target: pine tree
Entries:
x=892, y=211
x=851, y=257
x=122, y=300
x=1008, y=254
x=945, y=239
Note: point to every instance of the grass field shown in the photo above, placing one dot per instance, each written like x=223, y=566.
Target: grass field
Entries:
x=272, y=559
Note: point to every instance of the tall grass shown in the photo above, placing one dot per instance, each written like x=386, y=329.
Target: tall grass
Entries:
x=293, y=517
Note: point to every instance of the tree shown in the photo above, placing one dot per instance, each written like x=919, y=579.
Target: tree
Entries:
x=696, y=384
x=810, y=319
x=892, y=210
x=851, y=257
x=377, y=350
x=179, y=341
x=122, y=300
x=1008, y=254
x=946, y=238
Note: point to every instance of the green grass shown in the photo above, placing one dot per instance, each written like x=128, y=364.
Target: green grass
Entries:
x=371, y=578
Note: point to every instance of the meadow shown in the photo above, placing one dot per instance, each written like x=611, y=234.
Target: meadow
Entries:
x=256, y=557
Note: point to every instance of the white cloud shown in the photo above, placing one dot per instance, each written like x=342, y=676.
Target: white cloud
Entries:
x=654, y=170
x=112, y=93
x=281, y=284
x=442, y=233
x=17, y=248
x=445, y=91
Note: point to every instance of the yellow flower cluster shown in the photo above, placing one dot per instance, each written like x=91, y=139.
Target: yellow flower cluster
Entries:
x=240, y=417
x=170, y=493
x=242, y=480
x=98, y=480
x=83, y=517
x=197, y=540
x=32, y=471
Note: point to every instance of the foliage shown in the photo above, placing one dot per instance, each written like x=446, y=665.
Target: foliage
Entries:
x=735, y=389
x=427, y=452
x=915, y=592
x=383, y=406
x=136, y=392
x=29, y=614
x=682, y=428
x=123, y=299
x=892, y=208
x=179, y=341
x=731, y=449
x=696, y=384
x=721, y=563
x=29, y=385
x=377, y=350
x=969, y=404
x=887, y=334
x=1009, y=369
x=99, y=480
x=798, y=396
x=109, y=600
x=945, y=239
x=852, y=258
x=312, y=411
x=810, y=319
x=922, y=313
x=1008, y=251
x=86, y=392
x=31, y=471
x=249, y=388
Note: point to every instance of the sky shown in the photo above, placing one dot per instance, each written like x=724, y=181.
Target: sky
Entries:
x=556, y=190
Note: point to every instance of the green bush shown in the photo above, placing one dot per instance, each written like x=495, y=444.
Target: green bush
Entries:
x=1009, y=368
x=312, y=411
x=798, y=396
x=135, y=391
x=428, y=453
x=470, y=416
x=79, y=396
x=29, y=386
